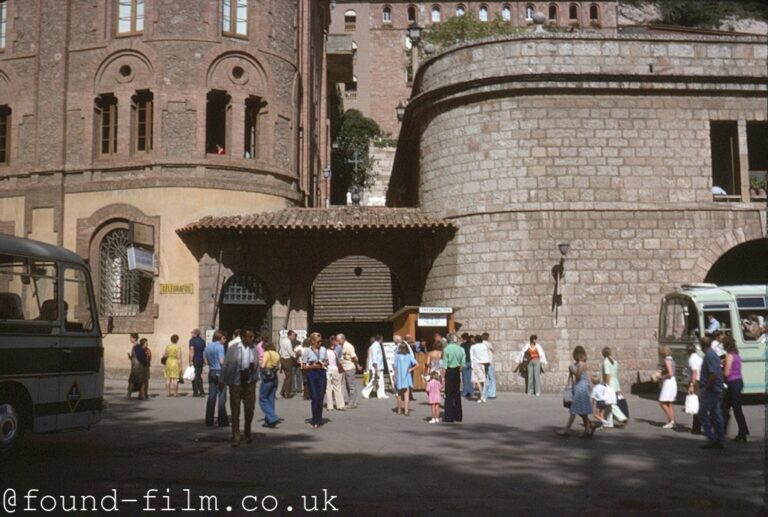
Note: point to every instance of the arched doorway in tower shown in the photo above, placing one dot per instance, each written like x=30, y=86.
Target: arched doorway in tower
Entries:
x=355, y=296
x=744, y=264
x=245, y=302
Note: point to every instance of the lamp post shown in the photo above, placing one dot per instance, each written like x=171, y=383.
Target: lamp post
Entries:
x=414, y=34
x=558, y=272
x=400, y=110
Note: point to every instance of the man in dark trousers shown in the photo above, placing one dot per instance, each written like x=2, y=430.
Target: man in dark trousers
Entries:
x=197, y=359
x=454, y=360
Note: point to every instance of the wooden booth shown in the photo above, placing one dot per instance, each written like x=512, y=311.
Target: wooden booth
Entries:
x=422, y=323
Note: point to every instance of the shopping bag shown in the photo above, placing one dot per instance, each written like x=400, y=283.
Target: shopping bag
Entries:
x=189, y=373
x=622, y=403
x=692, y=404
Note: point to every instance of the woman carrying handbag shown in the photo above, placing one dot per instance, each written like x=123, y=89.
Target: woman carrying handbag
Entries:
x=581, y=404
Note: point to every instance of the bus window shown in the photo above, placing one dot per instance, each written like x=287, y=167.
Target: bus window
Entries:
x=77, y=302
x=679, y=319
x=27, y=290
x=722, y=313
x=753, y=314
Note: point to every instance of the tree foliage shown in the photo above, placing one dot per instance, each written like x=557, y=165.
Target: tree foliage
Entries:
x=351, y=157
x=458, y=29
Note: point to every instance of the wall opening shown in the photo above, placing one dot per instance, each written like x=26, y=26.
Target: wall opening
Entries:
x=745, y=264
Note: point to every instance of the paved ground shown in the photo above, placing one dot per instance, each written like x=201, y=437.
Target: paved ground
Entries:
x=503, y=459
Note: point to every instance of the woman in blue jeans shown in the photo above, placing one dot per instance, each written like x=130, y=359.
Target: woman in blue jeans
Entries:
x=313, y=362
x=268, y=367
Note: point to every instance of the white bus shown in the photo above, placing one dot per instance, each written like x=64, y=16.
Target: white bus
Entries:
x=683, y=320
x=51, y=356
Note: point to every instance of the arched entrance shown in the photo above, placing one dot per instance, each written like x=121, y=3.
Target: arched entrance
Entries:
x=744, y=264
x=355, y=295
x=245, y=302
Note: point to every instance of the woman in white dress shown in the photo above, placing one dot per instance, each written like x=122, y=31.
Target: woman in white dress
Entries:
x=668, y=386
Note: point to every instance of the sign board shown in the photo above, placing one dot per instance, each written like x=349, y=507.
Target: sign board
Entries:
x=141, y=260
x=209, y=335
x=177, y=289
x=390, y=349
x=432, y=321
x=435, y=310
x=142, y=235
x=301, y=335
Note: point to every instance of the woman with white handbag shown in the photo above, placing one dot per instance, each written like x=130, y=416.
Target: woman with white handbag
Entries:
x=692, y=399
x=172, y=357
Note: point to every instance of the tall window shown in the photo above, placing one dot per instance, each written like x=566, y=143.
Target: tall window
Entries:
x=106, y=112
x=216, y=115
x=412, y=13
x=724, y=140
x=435, y=14
x=387, y=15
x=506, y=13
x=130, y=16
x=253, y=106
x=594, y=13
x=5, y=135
x=350, y=21
x=460, y=11
x=483, y=13
x=529, y=12
x=142, y=111
x=552, y=12
x=118, y=286
x=573, y=12
x=234, y=17
x=3, y=21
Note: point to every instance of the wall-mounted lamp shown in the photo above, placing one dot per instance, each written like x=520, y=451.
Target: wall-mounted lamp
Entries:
x=400, y=110
x=327, y=172
x=355, y=195
x=558, y=273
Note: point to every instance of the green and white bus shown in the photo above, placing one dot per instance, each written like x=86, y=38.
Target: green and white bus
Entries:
x=737, y=308
x=51, y=355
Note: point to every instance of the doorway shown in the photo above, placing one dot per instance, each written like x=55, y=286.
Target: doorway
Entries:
x=245, y=302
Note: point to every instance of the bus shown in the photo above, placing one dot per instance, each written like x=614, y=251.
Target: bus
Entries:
x=51, y=355
x=740, y=310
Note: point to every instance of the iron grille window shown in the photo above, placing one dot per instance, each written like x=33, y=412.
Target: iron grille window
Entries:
x=119, y=287
x=244, y=289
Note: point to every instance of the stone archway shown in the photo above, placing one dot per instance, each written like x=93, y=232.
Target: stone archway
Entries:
x=245, y=302
x=746, y=263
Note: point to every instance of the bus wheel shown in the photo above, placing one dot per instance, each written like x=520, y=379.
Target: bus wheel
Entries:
x=11, y=426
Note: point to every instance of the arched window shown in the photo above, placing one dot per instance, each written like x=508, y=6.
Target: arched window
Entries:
x=573, y=12
x=386, y=15
x=506, y=13
x=594, y=13
x=460, y=10
x=350, y=21
x=119, y=286
x=552, y=12
x=529, y=9
x=483, y=13
x=435, y=14
x=412, y=13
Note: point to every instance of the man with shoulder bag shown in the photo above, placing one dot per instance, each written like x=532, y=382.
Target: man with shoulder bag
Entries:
x=217, y=392
x=239, y=373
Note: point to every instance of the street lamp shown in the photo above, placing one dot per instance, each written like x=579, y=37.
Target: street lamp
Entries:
x=558, y=272
x=400, y=110
x=414, y=33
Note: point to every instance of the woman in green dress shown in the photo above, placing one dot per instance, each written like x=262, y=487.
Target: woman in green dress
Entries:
x=172, y=357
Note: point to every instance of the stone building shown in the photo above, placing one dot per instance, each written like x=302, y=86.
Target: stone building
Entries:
x=124, y=120
x=608, y=143
x=383, y=61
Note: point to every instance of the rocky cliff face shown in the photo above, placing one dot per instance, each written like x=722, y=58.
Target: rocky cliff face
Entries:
x=649, y=12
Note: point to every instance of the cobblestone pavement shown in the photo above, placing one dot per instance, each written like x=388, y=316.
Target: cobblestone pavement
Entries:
x=503, y=459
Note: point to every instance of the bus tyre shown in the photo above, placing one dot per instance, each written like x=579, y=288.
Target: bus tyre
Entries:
x=11, y=425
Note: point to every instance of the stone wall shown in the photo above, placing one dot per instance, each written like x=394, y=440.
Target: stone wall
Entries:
x=599, y=141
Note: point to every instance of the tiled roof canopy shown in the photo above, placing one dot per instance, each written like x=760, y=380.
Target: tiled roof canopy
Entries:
x=337, y=218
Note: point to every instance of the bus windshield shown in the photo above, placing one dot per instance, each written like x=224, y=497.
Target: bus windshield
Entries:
x=679, y=320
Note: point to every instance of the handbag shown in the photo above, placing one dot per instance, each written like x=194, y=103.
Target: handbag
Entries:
x=568, y=393
x=622, y=403
x=268, y=374
x=692, y=404
x=189, y=373
x=163, y=360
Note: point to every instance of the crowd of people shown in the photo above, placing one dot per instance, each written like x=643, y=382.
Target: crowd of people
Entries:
x=325, y=373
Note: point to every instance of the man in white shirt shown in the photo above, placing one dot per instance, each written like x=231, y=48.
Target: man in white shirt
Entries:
x=285, y=350
x=351, y=366
x=375, y=366
x=480, y=357
x=717, y=343
x=490, y=388
x=694, y=373
x=239, y=372
x=712, y=324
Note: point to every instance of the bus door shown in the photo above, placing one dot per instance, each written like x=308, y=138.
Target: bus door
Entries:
x=753, y=314
x=81, y=380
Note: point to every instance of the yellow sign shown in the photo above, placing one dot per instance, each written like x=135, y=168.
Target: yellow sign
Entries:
x=176, y=289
